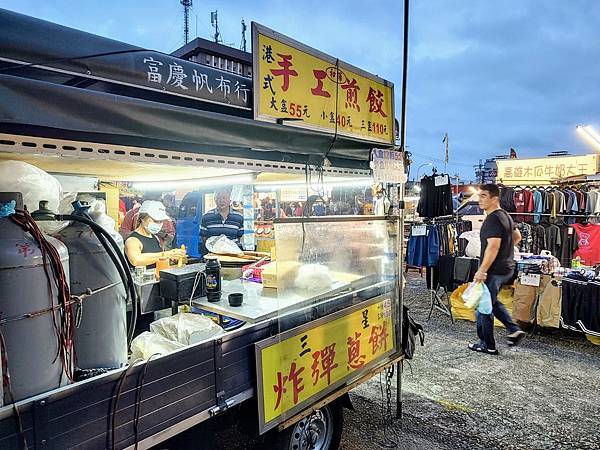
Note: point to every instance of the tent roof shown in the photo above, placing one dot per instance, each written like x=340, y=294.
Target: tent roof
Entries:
x=48, y=101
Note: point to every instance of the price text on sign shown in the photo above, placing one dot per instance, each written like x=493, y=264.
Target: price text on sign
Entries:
x=293, y=81
x=533, y=279
x=296, y=369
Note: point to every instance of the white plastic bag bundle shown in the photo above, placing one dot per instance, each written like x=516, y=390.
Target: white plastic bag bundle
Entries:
x=222, y=244
x=477, y=295
x=97, y=211
x=33, y=183
x=147, y=344
x=186, y=328
x=473, y=249
x=313, y=277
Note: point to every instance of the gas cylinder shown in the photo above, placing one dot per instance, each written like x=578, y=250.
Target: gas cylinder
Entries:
x=101, y=338
x=31, y=343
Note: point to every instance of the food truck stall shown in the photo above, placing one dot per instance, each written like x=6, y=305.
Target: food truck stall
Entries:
x=325, y=316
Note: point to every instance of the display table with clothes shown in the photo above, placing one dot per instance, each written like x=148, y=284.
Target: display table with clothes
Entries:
x=544, y=294
x=562, y=240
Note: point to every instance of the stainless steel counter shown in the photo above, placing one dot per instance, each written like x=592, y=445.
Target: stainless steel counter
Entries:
x=262, y=303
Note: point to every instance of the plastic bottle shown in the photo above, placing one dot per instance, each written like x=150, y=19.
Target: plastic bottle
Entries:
x=213, y=279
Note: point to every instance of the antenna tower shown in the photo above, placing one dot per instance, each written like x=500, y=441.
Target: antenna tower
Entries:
x=187, y=4
x=214, y=21
x=243, y=44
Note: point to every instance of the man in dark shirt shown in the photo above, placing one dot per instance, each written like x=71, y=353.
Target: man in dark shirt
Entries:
x=496, y=267
x=222, y=220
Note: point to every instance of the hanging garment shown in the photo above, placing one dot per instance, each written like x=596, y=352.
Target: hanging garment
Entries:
x=549, y=306
x=435, y=198
x=580, y=309
x=588, y=243
x=538, y=205
x=526, y=239
x=538, y=239
x=424, y=250
x=523, y=301
x=553, y=242
x=507, y=199
x=569, y=244
x=523, y=203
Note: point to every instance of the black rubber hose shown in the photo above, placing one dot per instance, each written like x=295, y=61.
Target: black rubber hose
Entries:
x=122, y=273
x=122, y=268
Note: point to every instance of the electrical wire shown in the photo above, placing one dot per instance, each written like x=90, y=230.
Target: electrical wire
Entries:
x=337, y=86
x=115, y=404
x=138, y=401
x=6, y=381
x=62, y=311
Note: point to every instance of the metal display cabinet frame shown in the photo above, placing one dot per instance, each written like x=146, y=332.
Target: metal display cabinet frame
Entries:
x=179, y=390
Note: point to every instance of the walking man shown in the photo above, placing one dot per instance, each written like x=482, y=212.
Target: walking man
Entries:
x=496, y=268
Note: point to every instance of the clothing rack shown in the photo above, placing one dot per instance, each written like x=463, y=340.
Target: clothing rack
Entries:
x=435, y=300
x=582, y=216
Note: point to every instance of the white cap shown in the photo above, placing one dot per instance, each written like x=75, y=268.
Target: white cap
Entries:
x=154, y=209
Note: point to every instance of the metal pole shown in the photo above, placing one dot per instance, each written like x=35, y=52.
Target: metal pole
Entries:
x=400, y=237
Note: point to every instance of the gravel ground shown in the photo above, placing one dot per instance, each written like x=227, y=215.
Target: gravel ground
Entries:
x=543, y=394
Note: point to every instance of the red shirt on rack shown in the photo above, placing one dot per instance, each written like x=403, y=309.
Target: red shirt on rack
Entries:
x=523, y=203
x=589, y=243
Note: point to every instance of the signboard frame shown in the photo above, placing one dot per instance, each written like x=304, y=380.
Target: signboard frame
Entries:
x=256, y=83
x=356, y=374
x=516, y=171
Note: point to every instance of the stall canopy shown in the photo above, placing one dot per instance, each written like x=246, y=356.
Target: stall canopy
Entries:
x=101, y=90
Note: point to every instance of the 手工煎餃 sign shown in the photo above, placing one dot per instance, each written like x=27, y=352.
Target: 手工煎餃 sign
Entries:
x=310, y=89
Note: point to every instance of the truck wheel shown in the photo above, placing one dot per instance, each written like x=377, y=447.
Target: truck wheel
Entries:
x=322, y=430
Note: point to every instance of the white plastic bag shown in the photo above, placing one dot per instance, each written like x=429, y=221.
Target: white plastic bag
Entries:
x=473, y=249
x=33, y=183
x=477, y=295
x=97, y=211
x=186, y=328
x=222, y=244
x=148, y=344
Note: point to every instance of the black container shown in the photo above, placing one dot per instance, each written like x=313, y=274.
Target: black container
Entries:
x=236, y=299
x=177, y=283
x=213, y=279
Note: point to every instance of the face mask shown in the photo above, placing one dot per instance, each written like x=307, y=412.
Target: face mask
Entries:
x=154, y=227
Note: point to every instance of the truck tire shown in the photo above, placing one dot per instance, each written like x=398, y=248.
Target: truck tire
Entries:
x=322, y=429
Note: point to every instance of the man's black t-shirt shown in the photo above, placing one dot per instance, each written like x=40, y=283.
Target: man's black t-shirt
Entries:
x=499, y=224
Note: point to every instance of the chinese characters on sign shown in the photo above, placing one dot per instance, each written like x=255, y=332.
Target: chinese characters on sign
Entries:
x=388, y=166
x=545, y=170
x=301, y=366
x=190, y=79
x=291, y=81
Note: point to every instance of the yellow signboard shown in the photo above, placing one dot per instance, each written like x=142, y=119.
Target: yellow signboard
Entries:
x=303, y=365
x=544, y=170
x=309, y=89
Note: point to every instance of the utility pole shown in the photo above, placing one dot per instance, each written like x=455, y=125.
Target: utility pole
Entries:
x=214, y=21
x=243, y=44
x=187, y=4
x=479, y=172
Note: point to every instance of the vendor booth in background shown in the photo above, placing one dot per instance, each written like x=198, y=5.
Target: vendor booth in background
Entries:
x=555, y=205
x=326, y=320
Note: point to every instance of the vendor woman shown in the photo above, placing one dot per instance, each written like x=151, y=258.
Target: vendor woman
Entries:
x=142, y=247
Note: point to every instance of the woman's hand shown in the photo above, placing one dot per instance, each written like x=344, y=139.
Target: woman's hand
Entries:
x=175, y=253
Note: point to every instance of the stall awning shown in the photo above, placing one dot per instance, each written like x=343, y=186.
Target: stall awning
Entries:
x=37, y=108
x=46, y=101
